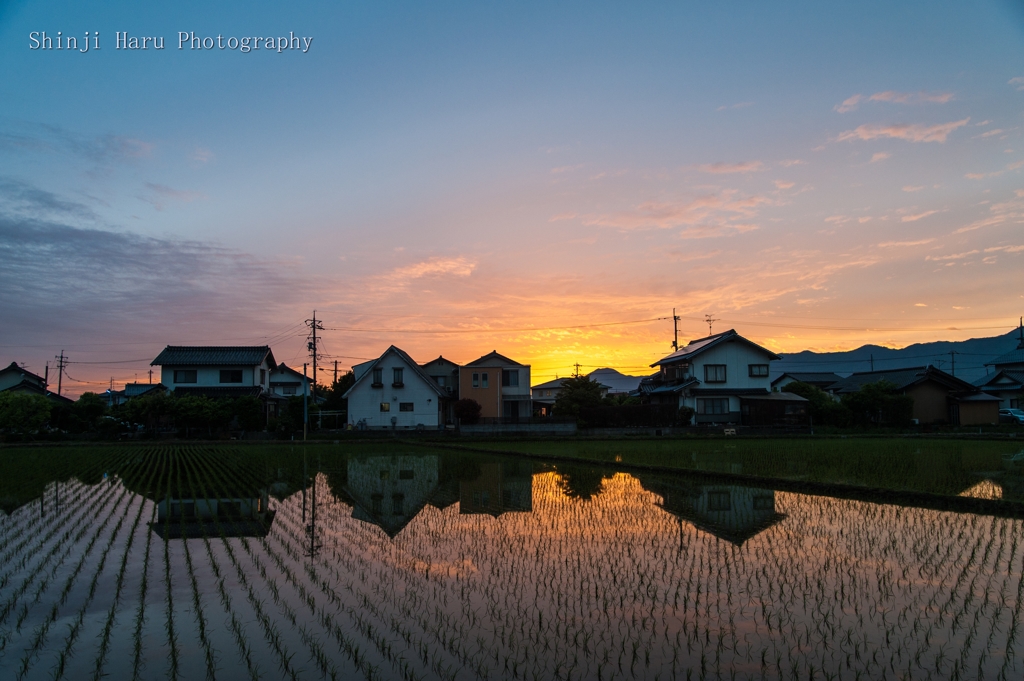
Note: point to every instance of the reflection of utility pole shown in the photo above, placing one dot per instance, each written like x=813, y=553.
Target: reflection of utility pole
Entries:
x=675, y=330
x=305, y=401
x=710, y=320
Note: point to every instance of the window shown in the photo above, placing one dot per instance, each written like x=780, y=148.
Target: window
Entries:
x=483, y=380
x=385, y=406
x=375, y=502
x=405, y=406
x=476, y=380
x=230, y=375
x=440, y=380
x=405, y=474
x=758, y=370
x=185, y=376
x=397, y=374
x=719, y=501
x=713, y=405
x=263, y=376
x=510, y=378
x=397, y=503
x=764, y=502
x=714, y=373
x=385, y=474
x=378, y=378
x=288, y=390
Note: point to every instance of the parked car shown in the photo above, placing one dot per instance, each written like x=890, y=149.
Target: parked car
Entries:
x=1015, y=416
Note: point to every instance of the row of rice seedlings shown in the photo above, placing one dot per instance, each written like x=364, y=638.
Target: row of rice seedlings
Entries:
x=317, y=652
x=41, y=632
x=270, y=632
x=172, y=638
x=26, y=524
x=53, y=525
x=75, y=629
x=347, y=646
x=39, y=577
x=197, y=605
x=111, y=619
x=157, y=461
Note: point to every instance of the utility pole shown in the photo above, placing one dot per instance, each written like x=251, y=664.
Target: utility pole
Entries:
x=151, y=375
x=61, y=363
x=314, y=350
x=675, y=330
x=46, y=377
x=952, y=360
x=335, y=372
x=710, y=321
x=872, y=361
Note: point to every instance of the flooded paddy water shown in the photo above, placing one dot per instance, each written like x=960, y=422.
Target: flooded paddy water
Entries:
x=401, y=562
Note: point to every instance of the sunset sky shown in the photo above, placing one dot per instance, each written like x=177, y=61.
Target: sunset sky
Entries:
x=546, y=179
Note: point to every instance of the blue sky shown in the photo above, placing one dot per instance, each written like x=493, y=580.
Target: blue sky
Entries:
x=447, y=174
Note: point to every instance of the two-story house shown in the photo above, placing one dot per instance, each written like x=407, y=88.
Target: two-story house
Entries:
x=501, y=386
x=392, y=391
x=1007, y=378
x=216, y=371
x=288, y=382
x=712, y=376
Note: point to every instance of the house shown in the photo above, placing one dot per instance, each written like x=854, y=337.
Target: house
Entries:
x=216, y=371
x=20, y=380
x=500, y=385
x=445, y=373
x=388, y=491
x=733, y=513
x=611, y=381
x=938, y=397
x=392, y=391
x=287, y=382
x=1007, y=381
x=819, y=379
x=712, y=376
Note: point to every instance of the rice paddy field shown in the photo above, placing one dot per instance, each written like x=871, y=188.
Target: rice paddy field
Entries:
x=391, y=561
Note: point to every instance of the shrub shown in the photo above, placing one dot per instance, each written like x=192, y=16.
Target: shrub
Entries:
x=23, y=412
x=467, y=411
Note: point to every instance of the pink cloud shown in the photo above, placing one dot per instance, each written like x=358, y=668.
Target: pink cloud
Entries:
x=714, y=209
x=729, y=168
x=910, y=97
x=908, y=132
x=919, y=216
x=848, y=104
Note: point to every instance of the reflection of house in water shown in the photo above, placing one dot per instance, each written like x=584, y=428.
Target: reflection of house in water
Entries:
x=500, y=488
x=729, y=512
x=389, y=491
x=242, y=512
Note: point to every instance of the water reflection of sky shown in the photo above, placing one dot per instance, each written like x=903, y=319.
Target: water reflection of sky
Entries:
x=507, y=569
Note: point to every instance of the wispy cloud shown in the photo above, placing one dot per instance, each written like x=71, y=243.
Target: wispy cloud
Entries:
x=952, y=256
x=26, y=200
x=789, y=162
x=457, y=267
x=739, y=105
x=895, y=244
x=782, y=184
x=1017, y=83
x=918, y=216
x=907, y=132
x=201, y=155
x=707, y=215
x=880, y=156
x=913, y=188
x=730, y=168
x=892, y=96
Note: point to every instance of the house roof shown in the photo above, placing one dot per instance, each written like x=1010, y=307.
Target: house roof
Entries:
x=285, y=369
x=440, y=360
x=727, y=392
x=777, y=397
x=902, y=379
x=990, y=380
x=14, y=368
x=209, y=355
x=139, y=389
x=550, y=385
x=1011, y=357
x=696, y=347
x=408, y=360
x=494, y=357
x=818, y=378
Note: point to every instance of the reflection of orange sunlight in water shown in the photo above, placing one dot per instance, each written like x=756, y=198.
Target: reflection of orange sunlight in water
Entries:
x=614, y=566
x=986, y=489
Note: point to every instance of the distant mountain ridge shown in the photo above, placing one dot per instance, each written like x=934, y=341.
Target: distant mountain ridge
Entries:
x=970, y=357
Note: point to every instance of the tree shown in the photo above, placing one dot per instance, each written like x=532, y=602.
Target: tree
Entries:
x=578, y=482
x=824, y=409
x=878, y=404
x=467, y=411
x=578, y=392
x=23, y=412
x=333, y=395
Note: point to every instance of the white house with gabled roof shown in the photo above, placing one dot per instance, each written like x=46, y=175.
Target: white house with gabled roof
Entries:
x=712, y=376
x=393, y=391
